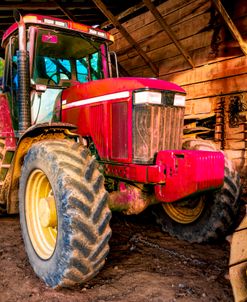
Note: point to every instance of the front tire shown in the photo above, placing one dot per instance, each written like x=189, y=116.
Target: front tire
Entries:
x=208, y=217
x=64, y=214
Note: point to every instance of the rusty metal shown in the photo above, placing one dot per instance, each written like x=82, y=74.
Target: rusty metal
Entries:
x=220, y=123
x=156, y=128
x=238, y=262
x=236, y=107
x=34, y=134
x=129, y=199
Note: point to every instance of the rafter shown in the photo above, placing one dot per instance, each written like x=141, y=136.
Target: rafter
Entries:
x=124, y=14
x=42, y=6
x=231, y=26
x=126, y=35
x=158, y=17
x=65, y=11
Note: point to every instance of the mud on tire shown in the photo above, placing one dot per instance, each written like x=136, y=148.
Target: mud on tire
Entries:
x=82, y=213
x=220, y=210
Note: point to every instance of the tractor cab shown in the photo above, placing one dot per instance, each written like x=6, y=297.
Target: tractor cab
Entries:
x=61, y=54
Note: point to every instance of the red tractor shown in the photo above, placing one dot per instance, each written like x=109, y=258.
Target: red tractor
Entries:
x=77, y=143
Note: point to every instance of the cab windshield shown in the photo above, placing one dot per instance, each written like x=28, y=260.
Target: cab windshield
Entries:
x=62, y=58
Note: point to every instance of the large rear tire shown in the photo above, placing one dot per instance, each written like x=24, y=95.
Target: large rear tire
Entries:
x=63, y=213
x=208, y=217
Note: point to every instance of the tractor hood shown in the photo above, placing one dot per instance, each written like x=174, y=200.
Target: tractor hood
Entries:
x=115, y=85
x=103, y=110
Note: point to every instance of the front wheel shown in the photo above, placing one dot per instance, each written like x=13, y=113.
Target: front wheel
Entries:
x=63, y=213
x=207, y=217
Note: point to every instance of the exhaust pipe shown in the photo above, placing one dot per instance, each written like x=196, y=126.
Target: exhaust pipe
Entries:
x=23, y=73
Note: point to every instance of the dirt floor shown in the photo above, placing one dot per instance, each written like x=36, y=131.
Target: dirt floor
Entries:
x=144, y=265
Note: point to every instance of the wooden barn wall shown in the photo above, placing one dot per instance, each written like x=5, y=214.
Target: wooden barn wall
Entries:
x=218, y=83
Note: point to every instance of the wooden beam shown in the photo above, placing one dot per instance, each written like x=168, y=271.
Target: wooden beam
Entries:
x=231, y=26
x=123, y=71
x=126, y=35
x=124, y=14
x=169, y=32
x=65, y=11
x=42, y=6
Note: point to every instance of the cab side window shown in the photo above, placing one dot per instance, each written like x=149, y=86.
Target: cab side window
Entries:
x=10, y=75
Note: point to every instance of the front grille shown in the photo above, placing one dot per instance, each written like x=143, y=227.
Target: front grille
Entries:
x=156, y=128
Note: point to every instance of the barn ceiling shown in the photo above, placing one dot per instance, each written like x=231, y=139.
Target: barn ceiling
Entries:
x=82, y=11
x=108, y=14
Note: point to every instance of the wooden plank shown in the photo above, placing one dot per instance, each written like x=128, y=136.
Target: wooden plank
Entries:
x=217, y=87
x=124, y=14
x=193, y=107
x=235, y=145
x=182, y=29
x=239, y=157
x=200, y=57
x=151, y=35
x=126, y=35
x=159, y=40
x=217, y=70
x=201, y=40
x=167, y=8
x=174, y=64
x=174, y=12
x=171, y=66
x=231, y=26
x=168, y=31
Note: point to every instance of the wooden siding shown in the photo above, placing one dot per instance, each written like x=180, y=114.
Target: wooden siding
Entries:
x=220, y=76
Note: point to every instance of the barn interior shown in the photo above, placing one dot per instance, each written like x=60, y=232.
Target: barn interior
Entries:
x=197, y=44
x=201, y=45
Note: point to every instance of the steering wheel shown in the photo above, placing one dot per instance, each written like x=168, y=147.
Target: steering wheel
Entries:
x=58, y=74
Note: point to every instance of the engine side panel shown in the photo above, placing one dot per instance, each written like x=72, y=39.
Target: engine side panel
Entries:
x=107, y=120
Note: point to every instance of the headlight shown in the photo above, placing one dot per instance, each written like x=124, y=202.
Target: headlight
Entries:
x=179, y=100
x=147, y=97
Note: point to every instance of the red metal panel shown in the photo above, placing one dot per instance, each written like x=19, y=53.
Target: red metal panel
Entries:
x=98, y=130
x=114, y=85
x=177, y=174
x=6, y=128
x=77, y=101
x=189, y=172
x=136, y=173
x=120, y=144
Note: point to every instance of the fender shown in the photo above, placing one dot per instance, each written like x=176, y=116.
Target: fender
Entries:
x=34, y=134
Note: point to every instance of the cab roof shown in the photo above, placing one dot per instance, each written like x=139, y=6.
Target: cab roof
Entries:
x=52, y=22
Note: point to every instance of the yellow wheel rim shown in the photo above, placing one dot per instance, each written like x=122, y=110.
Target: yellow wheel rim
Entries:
x=41, y=214
x=185, y=212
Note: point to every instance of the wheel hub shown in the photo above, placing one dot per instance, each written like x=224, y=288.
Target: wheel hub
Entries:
x=47, y=212
x=41, y=214
x=185, y=212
